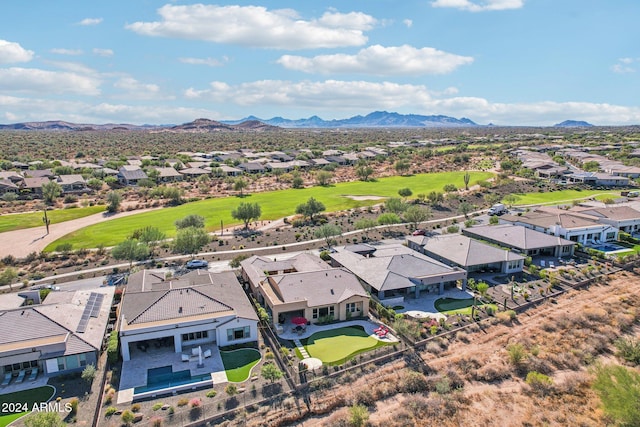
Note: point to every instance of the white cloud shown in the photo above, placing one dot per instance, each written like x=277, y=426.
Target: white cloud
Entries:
x=408, y=23
x=30, y=80
x=70, y=52
x=626, y=65
x=211, y=62
x=345, y=98
x=479, y=6
x=11, y=52
x=134, y=89
x=90, y=21
x=381, y=61
x=74, y=67
x=102, y=52
x=256, y=26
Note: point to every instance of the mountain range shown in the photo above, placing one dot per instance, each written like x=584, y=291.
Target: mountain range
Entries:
x=377, y=119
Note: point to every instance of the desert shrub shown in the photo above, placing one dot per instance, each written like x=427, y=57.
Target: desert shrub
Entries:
x=539, y=383
x=629, y=350
x=74, y=405
x=211, y=393
x=110, y=411
x=619, y=390
x=127, y=417
x=358, y=415
x=135, y=407
x=364, y=397
x=183, y=402
x=156, y=421
x=516, y=353
x=443, y=386
x=413, y=382
x=157, y=406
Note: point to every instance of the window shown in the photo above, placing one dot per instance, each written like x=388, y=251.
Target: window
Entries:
x=323, y=312
x=566, y=249
x=192, y=336
x=352, y=307
x=61, y=364
x=611, y=236
x=238, y=333
x=83, y=359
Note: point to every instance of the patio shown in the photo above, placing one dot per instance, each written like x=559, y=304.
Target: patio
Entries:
x=26, y=384
x=290, y=334
x=134, y=371
x=424, y=307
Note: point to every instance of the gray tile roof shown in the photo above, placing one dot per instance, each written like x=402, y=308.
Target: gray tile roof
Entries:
x=616, y=213
x=395, y=267
x=465, y=252
x=516, y=236
x=152, y=298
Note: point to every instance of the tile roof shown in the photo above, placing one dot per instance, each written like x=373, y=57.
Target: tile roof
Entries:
x=465, y=251
x=516, y=236
x=617, y=213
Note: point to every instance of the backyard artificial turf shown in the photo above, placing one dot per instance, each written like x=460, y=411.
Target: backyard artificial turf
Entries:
x=238, y=363
x=456, y=306
x=35, y=395
x=335, y=346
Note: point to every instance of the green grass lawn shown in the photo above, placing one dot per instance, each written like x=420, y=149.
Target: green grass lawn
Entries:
x=10, y=222
x=36, y=395
x=563, y=196
x=457, y=306
x=238, y=363
x=336, y=346
x=274, y=204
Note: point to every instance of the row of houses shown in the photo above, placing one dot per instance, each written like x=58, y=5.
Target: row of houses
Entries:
x=66, y=332
x=33, y=181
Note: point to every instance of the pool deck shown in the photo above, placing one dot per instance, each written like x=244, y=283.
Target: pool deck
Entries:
x=134, y=371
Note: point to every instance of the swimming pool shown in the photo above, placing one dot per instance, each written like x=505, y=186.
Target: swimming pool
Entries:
x=609, y=248
x=164, y=378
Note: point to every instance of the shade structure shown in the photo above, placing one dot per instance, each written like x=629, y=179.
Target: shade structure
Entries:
x=299, y=321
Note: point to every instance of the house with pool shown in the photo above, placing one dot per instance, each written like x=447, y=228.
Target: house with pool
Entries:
x=198, y=309
x=392, y=272
x=304, y=287
x=61, y=334
x=578, y=227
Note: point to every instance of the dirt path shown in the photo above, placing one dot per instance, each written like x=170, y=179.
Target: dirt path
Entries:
x=21, y=243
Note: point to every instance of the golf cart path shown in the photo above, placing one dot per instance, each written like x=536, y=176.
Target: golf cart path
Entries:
x=21, y=243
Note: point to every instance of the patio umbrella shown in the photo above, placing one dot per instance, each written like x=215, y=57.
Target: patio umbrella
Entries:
x=299, y=321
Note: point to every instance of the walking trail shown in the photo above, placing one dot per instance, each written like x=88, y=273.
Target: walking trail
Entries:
x=21, y=243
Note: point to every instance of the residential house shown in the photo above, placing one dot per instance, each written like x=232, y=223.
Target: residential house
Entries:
x=60, y=335
x=393, y=272
x=470, y=254
x=131, y=175
x=251, y=167
x=39, y=173
x=72, y=184
x=194, y=172
x=34, y=185
x=523, y=240
x=168, y=174
x=190, y=310
x=6, y=186
x=305, y=286
x=570, y=225
x=624, y=218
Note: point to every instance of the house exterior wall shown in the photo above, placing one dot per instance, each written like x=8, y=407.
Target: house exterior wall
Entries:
x=71, y=363
x=231, y=326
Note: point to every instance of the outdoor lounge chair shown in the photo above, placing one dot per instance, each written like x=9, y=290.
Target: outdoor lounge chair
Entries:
x=194, y=351
x=551, y=264
x=207, y=353
x=33, y=374
x=21, y=375
x=542, y=263
x=7, y=379
x=185, y=357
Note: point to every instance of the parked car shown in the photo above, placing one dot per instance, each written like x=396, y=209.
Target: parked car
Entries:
x=52, y=287
x=197, y=263
x=419, y=232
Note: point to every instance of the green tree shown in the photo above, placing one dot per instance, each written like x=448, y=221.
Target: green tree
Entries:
x=196, y=221
x=402, y=166
x=395, y=205
x=130, y=250
x=449, y=188
x=619, y=391
x=310, y=208
x=323, y=178
x=358, y=415
x=364, y=172
x=465, y=208
x=190, y=240
x=482, y=288
x=510, y=199
x=297, y=182
x=113, y=202
x=416, y=214
x=327, y=232
x=44, y=419
x=247, y=212
x=389, y=219
x=405, y=192
x=466, y=178
x=239, y=185
x=151, y=236
x=591, y=166
x=435, y=198
x=270, y=372
x=50, y=192
x=174, y=195
x=7, y=277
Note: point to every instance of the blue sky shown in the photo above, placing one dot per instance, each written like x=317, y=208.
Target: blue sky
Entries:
x=507, y=62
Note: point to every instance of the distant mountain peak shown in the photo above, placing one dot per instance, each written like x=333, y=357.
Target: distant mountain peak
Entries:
x=573, y=124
